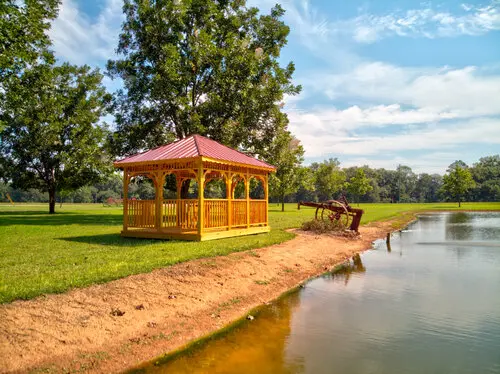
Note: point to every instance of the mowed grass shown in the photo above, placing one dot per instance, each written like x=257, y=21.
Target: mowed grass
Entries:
x=80, y=245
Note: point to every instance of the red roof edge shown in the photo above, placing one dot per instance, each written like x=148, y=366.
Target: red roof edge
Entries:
x=240, y=152
x=203, y=149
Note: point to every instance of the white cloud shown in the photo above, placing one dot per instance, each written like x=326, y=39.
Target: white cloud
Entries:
x=321, y=139
x=424, y=22
x=80, y=40
x=464, y=92
x=355, y=118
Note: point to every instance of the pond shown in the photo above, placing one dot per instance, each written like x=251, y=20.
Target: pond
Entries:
x=430, y=304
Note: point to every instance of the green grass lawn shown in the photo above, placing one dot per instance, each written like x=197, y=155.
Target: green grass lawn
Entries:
x=81, y=245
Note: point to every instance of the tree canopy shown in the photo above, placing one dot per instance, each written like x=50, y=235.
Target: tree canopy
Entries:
x=23, y=38
x=201, y=66
x=486, y=173
x=457, y=181
x=52, y=140
x=329, y=179
x=286, y=154
x=359, y=184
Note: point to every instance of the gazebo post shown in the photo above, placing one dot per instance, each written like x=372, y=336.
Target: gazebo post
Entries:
x=159, y=181
x=266, y=197
x=201, y=198
x=229, y=197
x=125, y=199
x=178, y=210
x=247, y=194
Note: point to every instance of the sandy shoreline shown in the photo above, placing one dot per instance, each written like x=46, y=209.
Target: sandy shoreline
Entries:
x=82, y=330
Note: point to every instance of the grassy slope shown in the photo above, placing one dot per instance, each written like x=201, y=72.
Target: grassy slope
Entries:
x=81, y=244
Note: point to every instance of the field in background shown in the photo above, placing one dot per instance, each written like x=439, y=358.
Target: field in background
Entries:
x=80, y=245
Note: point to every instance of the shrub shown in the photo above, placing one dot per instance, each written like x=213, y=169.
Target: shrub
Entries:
x=323, y=226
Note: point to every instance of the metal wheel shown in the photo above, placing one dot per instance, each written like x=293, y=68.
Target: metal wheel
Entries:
x=339, y=213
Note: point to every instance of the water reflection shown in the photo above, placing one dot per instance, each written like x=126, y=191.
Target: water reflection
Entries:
x=344, y=271
x=459, y=226
x=252, y=347
x=435, y=310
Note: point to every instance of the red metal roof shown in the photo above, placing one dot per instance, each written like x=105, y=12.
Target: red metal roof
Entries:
x=194, y=146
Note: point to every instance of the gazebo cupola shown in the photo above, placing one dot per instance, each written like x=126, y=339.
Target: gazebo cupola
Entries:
x=197, y=218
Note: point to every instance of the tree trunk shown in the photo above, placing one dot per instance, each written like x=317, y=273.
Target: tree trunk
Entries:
x=185, y=189
x=459, y=204
x=282, y=203
x=52, y=200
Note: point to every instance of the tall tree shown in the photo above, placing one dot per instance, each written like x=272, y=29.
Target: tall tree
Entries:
x=200, y=66
x=329, y=179
x=486, y=174
x=457, y=181
x=52, y=139
x=286, y=153
x=404, y=183
x=427, y=188
x=359, y=184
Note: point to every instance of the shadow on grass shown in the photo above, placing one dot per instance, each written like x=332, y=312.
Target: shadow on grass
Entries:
x=30, y=213
x=115, y=240
x=45, y=219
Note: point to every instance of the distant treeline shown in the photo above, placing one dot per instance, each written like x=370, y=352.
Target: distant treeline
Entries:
x=400, y=185
x=322, y=181
x=327, y=180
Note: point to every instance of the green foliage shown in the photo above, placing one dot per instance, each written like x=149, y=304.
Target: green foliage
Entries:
x=427, y=188
x=23, y=42
x=404, y=184
x=486, y=174
x=286, y=153
x=457, y=181
x=359, y=184
x=52, y=140
x=329, y=179
x=23, y=37
x=200, y=66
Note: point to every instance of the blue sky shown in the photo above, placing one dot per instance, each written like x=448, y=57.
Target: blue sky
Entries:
x=385, y=82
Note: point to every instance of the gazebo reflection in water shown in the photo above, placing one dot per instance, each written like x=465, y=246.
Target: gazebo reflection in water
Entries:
x=200, y=218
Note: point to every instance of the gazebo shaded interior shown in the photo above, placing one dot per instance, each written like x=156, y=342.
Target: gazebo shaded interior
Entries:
x=202, y=160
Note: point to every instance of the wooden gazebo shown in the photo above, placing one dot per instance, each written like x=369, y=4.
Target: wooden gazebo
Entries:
x=202, y=160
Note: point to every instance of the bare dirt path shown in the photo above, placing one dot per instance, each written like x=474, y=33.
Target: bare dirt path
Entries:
x=83, y=329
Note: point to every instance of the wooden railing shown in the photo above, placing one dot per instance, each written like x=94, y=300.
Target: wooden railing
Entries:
x=215, y=213
x=141, y=213
x=183, y=213
x=239, y=212
x=258, y=212
x=188, y=214
x=169, y=213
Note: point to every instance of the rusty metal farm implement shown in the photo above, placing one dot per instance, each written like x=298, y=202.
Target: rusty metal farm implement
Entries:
x=336, y=210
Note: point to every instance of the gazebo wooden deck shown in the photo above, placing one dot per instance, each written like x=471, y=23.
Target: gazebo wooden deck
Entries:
x=200, y=159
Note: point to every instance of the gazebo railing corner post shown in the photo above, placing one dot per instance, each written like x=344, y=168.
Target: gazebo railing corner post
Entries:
x=178, y=209
x=125, y=199
x=266, y=196
x=201, y=198
x=229, y=197
x=159, y=181
x=247, y=196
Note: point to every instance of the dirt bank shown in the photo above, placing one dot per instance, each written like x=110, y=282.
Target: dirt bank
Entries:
x=85, y=330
